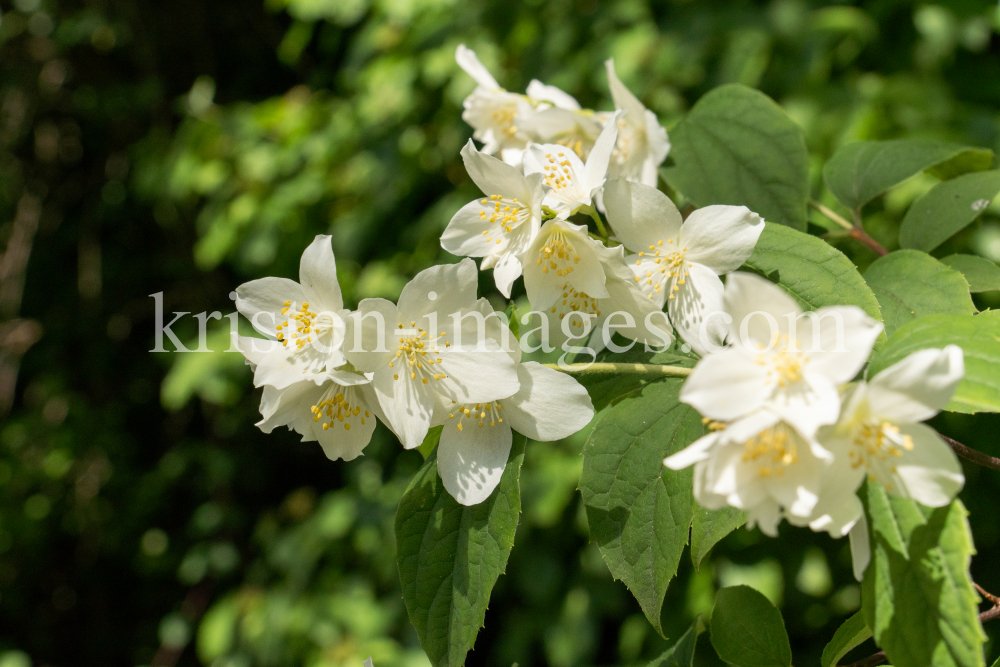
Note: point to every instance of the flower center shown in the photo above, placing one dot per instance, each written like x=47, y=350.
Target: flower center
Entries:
x=785, y=363
x=504, y=118
x=414, y=348
x=509, y=213
x=336, y=408
x=559, y=172
x=480, y=412
x=575, y=302
x=301, y=325
x=773, y=450
x=663, y=265
x=877, y=442
x=573, y=143
x=558, y=254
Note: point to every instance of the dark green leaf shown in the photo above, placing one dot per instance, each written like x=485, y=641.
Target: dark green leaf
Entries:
x=971, y=159
x=815, y=273
x=911, y=284
x=982, y=274
x=848, y=636
x=710, y=526
x=430, y=441
x=859, y=172
x=639, y=510
x=923, y=608
x=738, y=147
x=947, y=209
x=681, y=654
x=979, y=338
x=747, y=630
x=450, y=556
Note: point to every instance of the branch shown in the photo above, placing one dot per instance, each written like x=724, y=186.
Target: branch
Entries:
x=861, y=235
x=973, y=455
x=855, y=230
x=988, y=615
x=829, y=213
x=621, y=369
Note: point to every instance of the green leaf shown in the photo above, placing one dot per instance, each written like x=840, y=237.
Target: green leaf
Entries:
x=923, y=608
x=859, y=172
x=450, y=556
x=747, y=630
x=681, y=654
x=639, y=511
x=736, y=146
x=430, y=441
x=848, y=636
x=982, y=274
x=979, y=338
x=911, y=284
x=815, y=273
x=710, y=526
x=947, y=209
x=970, y=159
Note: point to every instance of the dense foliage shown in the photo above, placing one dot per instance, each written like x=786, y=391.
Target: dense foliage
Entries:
x=189, y=147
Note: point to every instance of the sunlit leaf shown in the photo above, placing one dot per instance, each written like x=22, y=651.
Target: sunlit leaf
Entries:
x=947, y=209
x=848, y=636
x=982, y=274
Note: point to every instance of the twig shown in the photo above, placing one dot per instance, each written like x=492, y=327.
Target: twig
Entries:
x=855, y=230
x=973, y=455
x=870, y=661
x=861, y=235
x=597, y=219
x=829, y=213
x=621, y=369
x=989, y=596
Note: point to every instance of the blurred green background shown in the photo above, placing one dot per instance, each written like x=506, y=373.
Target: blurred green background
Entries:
x=188, y=146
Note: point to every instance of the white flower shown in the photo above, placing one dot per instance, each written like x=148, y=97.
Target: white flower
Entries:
x=760, y=463
x=494, y=114
x=336, y=408
x=476, y=439
x=422, y=348
x=679, y=261
x=780, y=357
x=577, y=130
x=642, y=142
x=567, y=274
x=500, y=226
x=555, y=96
x=306, y=317
x=572, y=183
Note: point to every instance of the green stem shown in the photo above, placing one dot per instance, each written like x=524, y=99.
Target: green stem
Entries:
x=597, y=219
x=829, y=213
x=854, y=230
x=621, y=369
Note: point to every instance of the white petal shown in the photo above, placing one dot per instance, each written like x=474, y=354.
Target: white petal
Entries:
x=699, y=450
x=808, y=404
x=917, y=387
x=697, y=310
x=838, y=340
x=339, y=442
x=539, y=91
x=261, y=301
x=640, y=215
x=506, y=271
x=721, y=237
x=747, y=294
x=659, y=148
x=467, y=60
x=406, y=404
x=254, y=349
x=623, y=97
x=541, y=283
x=548, y=406
x=444, y=289
x=464, y=236
x=287, y=365
x=495, y=177
x=861, y=548
x=596, y=168
x=725, y=385
x=318, y=276
x=289, y=407
x=930, y=473
x=471, y=461
x=473, y=375
x=369, y=342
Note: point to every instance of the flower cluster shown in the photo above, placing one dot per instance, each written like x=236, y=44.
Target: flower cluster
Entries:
x=441, y=356
x=792, y=437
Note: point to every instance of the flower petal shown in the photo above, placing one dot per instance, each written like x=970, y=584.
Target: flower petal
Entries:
x=725, y=385
x=548, y=406
x=464, y=234
x=539, y=91
x=697, y=310
x=318, y=276
x=596, y=168
x=623, y=97
x=640, y=215
x=473, y=375
x=471, y=461
x=837, y=339
x=445, y=289
x=506, y=271
x=917, y=387
x=721, y=237
x=261, y=301
x=368, y=342
x=495, y=177
x=542, y=284
x=699, y=450
x=407, y=405
x=467, y=60
x=289, y=407
x=758, y=307
x=339, y=442
x=930, y=473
